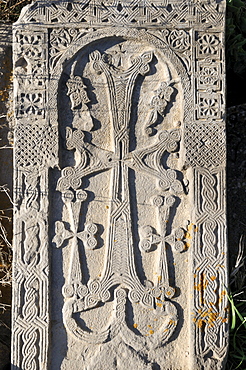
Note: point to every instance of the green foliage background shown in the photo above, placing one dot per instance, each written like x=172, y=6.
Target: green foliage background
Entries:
x=236, y=37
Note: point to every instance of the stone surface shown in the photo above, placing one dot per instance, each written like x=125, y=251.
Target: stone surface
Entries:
x=120, y=236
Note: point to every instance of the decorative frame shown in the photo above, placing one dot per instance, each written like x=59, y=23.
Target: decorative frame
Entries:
x=192, y=35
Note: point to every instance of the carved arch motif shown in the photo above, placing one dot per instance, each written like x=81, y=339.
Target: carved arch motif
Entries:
x=113, y=75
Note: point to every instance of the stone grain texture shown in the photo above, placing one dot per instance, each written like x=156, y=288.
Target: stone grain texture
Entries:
x=120, y=256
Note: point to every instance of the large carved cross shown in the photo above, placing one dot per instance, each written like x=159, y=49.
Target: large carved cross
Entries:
x=120, y=267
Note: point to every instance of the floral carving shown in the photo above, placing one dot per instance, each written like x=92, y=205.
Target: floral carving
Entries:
x=179, y=40
x=159, y=103
x=30, y=103
x=208, y=44
x=209, y=107
x=30, y=46
x=60, y=39
x=77, y=91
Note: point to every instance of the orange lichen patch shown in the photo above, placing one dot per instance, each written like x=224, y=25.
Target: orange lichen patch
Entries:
x=169, y=293
x=224, y=320
x=196, y=229
x=159, y=304
x=188, y=234
x=222, y=294
x=199, y=323
x=213, y=278
x=135, y=325
x=207, y=318
x=151, y=331
x=171, y=322
x=159, y=278
x=107, y=207
x=195, y=275
x=201, y=286
x=187, y=245
x=149, y=326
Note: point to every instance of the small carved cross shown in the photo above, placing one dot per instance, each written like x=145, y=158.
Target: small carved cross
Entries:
x=87, y=236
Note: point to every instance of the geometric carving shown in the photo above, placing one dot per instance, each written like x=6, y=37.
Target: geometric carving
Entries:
x=204, y=151
x=120, y=233
x=133, y=13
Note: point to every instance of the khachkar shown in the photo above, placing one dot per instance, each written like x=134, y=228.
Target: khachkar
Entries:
x=120, y=234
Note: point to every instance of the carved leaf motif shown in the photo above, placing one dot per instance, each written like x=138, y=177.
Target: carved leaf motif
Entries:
x=159, y=103
x=77, y=91
x=61, y=234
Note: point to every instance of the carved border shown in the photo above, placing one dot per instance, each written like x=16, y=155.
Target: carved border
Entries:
x=205, y=156
x=203, y=14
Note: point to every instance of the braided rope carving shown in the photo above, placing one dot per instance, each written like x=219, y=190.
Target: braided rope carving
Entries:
x=210, y=316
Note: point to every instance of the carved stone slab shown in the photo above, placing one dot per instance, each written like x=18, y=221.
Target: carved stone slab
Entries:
x=120, y=237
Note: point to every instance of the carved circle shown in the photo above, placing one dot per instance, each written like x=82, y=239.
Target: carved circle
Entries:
x=67, y=172
x=156, y=292
x=120, y=293
x=164, y=184
x=105, y=295
x=145, y=245
x=67, y=196
x=170, y=201
x=91, y=243
x=148, y=131
x=179, y=246
x=94, y=286
x=82, y=291
x=134, y=296
x=91, y=300
x=172, y=146
x=171, y=174
x=81, y=195
x=68, y=291
x=169, y=292
x=75, y=182
x=179, y=233
x=158, y=201
x=163, y=136
x=92, y=228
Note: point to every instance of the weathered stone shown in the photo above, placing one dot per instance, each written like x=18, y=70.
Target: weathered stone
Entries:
x=120, y=233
